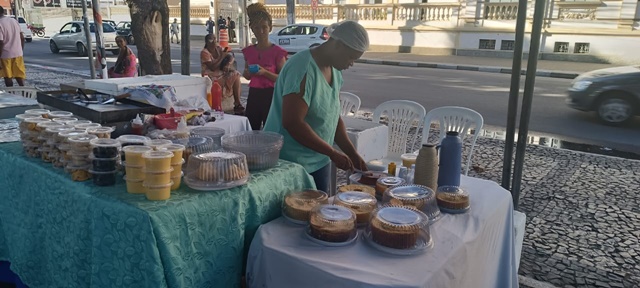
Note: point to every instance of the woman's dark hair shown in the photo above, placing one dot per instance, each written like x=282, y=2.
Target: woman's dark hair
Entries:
x=121, y=37
x=257, y=13
x=207, y=38
x=225, y=61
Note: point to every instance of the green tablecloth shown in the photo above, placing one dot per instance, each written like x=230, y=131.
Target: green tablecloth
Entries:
x=60, y=233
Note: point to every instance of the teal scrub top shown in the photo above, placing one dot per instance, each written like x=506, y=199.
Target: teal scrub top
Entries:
x=322, y=99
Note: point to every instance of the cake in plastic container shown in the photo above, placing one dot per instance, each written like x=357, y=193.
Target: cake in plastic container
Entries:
x=368, y=178
x=297, y=205
x=361, y=203
x=452, y=199
x=332, y=223
x=357, y=188
x=212, y=132
x=417, y=196
x=195, y=145
x=261, y=147
x=216, y=170
x=387, y=182
x=399, y=230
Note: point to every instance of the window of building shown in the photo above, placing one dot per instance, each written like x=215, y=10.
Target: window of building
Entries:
x=581, y=48
x=561, y=47
x=488, y=44
x=507, y=45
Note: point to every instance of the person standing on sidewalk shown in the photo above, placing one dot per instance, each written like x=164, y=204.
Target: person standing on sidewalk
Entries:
x=11, y=49
x=232, y=30
x=210, y=25
x=175, y=30
x=306, y=104
x=263, y=62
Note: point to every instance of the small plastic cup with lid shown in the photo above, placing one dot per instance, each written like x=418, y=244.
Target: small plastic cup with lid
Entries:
x=177, y=169
x=452, y=199
x=104, y=164
x=80, y=122
x=177, y=150
x=418, y=196
x=101, y=132
x=106, y=178
x=63, y=137
x=44, y=154
x=132, y=140
x=297, y=205
x=385, y=183
x=157, y=161
x=59, y=114
x=155, y=178
x=65, y=120
x=399, y=230
x=408, y=159
x=158, y=193
x=81, y=143
x=134, y=186
x=332, y=224
x=51, y=133
x=133, y=155
x=105, y=147
x=361, y=203
x=86, y=126
x=157, y=143
x=78, y=173
x=134, y=172
x=21, y=117
x=38, y=112
x=176, y=182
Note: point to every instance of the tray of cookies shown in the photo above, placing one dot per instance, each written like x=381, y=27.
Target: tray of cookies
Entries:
x=216, y=170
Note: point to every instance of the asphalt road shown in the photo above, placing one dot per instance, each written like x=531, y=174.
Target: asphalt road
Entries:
x=484, y=92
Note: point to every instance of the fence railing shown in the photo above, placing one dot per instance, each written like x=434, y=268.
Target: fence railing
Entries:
x=500, y=11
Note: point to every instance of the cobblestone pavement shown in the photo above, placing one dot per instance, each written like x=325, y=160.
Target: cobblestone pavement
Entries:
x=583, y=211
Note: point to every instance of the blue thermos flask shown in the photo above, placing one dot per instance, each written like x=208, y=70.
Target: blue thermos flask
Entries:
x=450, y=160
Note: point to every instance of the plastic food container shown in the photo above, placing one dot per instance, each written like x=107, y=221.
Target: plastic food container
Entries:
x=176, y=182
x=101, y=132
x=177, y=150
x=399, y=230
x=408, y=159
x=78, y=158
x=107, y=178
x=21, y=117
x=195, y=145
x=177, y=169
x=357, y=188
x=32, y=150
x=134, y=186
x=452, y=199
x=387, y=182
x=361, y=203
x=212, y=132
x=157, y=143
x=418, y=196
x=367, y=178
x=167, y=121
x=105, y=147
x=66, y=120
x=42, y=126
x=31, y=124
x=332, y=223
x=104, y=164
x=59, y=114
x=79, y=122
x=261, y=147
x=134, y=172
x=38, y=112
x=63, y=137
x=133, y=155
x=216, y=170
x=44, y=154
x=87, y=126
x=81, y=143
x=51, y=133
x=297, y=205
x=158, y=193
x=155, y=178
x=78, y=173
x=157, y=161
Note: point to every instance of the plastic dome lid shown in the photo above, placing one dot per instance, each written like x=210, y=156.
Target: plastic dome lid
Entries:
x=297, y=205
x=391, y=181
x=354, y=198
x=59, y=114
x=87, y=125
x=208, y=131
x=410, y=192
x=401, y=218
x=333, y=214
x=99, y=130
x=135, y=149
x=126, y=139
x=37, y=111
x=83, y=138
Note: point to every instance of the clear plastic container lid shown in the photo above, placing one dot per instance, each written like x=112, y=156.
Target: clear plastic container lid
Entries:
x=39, y=112
x=80, y=122
x=103, y=142
x=357, y=188
x=87, y=126
x=196, y=145
x=157, y=154
x=50, y=132
x=215, y=170
x=64, y=136
x=452, y=198
x=136, y=149
x=361, y=203
x=367, y=178
x=297, y=205
x=47, y=124
x=21, y=117
x=253, y=140
x=391, y=181
x=418, y=196
x=133, y=139
x=212, y=132
x=157, y=143
x=172, y=147
x=59, y=114
x=81, y=140
x=102, y=132
x=399, y=227
x=332, y=223
x=66, y=120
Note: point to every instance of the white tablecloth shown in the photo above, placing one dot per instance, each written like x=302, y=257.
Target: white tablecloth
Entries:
x=471, y=250
x=231, y=123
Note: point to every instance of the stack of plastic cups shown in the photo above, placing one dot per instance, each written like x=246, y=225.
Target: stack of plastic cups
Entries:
x=105, y=157
x=22, y=128
x=51, y=135
x=44, y=113
x=66, y=120
x=79, y=150
x=176, y=163
x=29, y=135
x=101, y=132
x=62, y=143
x=86, y=126
x=157, y=178
x=157, y=143
x=40, y=140
x=59, y=114
x=134, y=167
x=80, y=122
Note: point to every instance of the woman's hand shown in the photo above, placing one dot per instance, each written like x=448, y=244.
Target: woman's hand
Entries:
x=358, y=163
x=341, y=160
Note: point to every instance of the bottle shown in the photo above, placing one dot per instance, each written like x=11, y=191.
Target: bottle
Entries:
x=450, y=160
x=137, y=126
x=392, y=169
x=216, y=99
x=426, y=171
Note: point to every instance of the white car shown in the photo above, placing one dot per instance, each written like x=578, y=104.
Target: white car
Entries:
x=72, y=37
x=28, y=36
x=297, y=37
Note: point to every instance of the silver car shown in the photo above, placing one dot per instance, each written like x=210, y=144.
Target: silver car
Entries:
x=72, y=37
x=298, y=37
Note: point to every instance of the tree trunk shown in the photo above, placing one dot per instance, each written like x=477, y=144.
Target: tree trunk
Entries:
x=150, y=29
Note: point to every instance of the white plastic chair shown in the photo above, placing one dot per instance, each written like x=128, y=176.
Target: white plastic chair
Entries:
x=349, y=102
x=26, y=92
x=402, y=115
x=454, y=118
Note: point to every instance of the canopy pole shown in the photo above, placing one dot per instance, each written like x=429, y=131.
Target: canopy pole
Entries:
x=514, y=94
x=185, y=47
x=87, y=34
x=525, y=114
x=100, y=51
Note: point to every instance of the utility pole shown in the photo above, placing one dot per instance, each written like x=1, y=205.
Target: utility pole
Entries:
x=87, y=34
x=185, y=20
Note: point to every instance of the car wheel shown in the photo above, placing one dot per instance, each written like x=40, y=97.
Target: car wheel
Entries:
x=82, y=51
x=131, y=40
x=53, y=47
x=615, y=109
x=28, y=40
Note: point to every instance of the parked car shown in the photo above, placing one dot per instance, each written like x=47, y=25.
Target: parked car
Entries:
x=613, y=93
x=110, y=22
x=297, y=37
x=28, y=36
x=124, y=29
x=72, y=37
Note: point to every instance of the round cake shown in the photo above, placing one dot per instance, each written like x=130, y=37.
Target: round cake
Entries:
x=332, y=223
x=298, y=205
x=361, y=203
x=453, y=201
x=357, y=188
x=385, y=183
x=397, y=227
x=370, y=178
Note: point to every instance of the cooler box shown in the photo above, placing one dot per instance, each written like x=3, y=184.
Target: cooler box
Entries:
x=370, y=139
x=185, y=86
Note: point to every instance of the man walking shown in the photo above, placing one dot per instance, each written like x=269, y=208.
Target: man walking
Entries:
x=11, y=46
x=210, y=25
x=222, y=24
x=175, y=30
x=232, y=30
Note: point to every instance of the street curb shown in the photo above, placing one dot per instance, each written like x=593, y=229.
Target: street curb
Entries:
x=532, y=283
x=56, y=69
x=489, y=69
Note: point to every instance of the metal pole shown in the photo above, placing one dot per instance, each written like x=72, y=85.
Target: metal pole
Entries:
x=100, y=52
x=87, y=34
x=18, y=5
x=514, y=94
x=291, y=12
x=185, y=48
x=245, y=25
x=313, y=10
x=529, y=83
